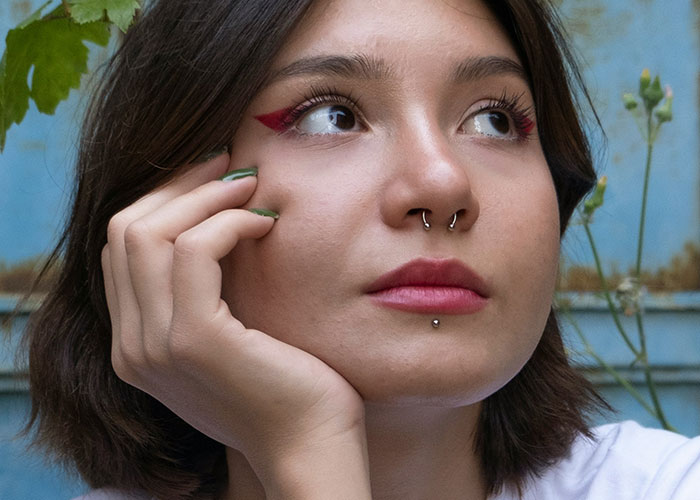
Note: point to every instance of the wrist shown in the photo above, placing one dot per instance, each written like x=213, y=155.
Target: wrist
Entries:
x=324, y=466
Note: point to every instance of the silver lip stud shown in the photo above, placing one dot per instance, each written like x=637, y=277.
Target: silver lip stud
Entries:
x=435, y=323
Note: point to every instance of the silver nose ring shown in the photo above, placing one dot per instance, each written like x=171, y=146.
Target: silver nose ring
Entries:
x=426, y=224
x=451, y=226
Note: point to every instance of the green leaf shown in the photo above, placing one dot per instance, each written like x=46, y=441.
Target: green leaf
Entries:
x=54, y=47
x=120, y=12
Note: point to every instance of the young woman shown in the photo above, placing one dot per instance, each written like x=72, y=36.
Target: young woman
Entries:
x=312, y=256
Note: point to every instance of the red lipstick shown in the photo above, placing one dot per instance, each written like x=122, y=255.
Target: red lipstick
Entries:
x=277, y=120
x=431, y=286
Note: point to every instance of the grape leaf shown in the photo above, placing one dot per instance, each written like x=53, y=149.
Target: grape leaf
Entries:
x=54, y=47
x=120, y=12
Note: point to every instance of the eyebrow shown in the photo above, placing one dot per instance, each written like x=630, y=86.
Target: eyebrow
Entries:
x=364, y=67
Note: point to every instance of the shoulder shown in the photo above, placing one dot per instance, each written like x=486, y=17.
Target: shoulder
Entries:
x=113, y=494
x=624, y=461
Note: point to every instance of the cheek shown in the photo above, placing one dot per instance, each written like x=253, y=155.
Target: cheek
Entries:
x=530, y=243
x=271, y=282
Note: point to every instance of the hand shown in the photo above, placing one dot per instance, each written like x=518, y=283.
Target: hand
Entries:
x=175, y=338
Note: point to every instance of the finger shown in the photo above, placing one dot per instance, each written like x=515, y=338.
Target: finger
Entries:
x=127, y=310
x=196, y=269
x=110, y=293
x=179, y=214
x=191, y=177
x=149, y=243
x=129, y=333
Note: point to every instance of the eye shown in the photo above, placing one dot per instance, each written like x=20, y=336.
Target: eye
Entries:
x=327, y=119
x=492, y=124
x=505, y=118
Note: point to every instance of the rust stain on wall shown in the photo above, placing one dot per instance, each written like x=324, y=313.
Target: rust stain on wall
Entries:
x=18, y=278
x=593, y=24
x=583, y=19
x=682, y=273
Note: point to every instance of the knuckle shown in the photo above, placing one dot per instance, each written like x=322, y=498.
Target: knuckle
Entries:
x=122, y=367
x=155, y=356
x=187, y=245
x=129, y=355
x=136, y=234
x=104, y=257
x=116, y=226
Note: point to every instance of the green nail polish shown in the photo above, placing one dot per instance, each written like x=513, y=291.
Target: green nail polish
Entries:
x=265, y=212
x=238, y=174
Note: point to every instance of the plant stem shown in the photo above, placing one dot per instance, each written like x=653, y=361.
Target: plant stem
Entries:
x=651, y=137
x=648, y=376
x=606, y=290
x=642, y=219
x=608, y=368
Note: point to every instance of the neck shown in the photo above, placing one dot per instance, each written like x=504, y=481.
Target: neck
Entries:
x=415, y=453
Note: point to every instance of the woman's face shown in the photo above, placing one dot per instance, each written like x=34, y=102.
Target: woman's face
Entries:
x=378, y=111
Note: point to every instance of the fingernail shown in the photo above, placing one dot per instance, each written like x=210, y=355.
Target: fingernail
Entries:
x=265, y=212
x=212, y=154
x=237, y=174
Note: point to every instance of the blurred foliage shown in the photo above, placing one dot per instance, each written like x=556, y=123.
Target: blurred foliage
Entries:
x=45, y=55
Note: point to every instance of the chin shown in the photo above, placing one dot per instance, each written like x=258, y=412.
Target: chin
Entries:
x=449, y=385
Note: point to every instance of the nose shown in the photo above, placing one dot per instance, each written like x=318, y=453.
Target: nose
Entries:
x=429, y=186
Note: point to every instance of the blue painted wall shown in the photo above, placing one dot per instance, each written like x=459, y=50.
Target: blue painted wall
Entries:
x=616, y=39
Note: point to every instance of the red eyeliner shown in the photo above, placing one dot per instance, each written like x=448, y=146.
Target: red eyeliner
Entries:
x=528, y=125
x=277, y=120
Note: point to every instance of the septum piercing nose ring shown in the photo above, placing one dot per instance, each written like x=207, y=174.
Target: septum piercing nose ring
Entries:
x=426, y=224
x=450, y=227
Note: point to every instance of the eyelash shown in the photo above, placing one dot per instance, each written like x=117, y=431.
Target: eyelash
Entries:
x=511, y=105
x=318, y=96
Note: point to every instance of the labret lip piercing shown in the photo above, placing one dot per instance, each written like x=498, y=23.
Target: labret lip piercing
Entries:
x=450, y=227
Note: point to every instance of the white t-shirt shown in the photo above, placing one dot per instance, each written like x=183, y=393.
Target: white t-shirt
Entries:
x=623, y=462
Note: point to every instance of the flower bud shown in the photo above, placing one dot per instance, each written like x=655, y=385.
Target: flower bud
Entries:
x=664, y=113
x=653, y=94
x=629, y=101
x=644, y=80
x=596, y=200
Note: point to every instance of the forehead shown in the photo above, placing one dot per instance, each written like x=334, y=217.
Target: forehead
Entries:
x=409, y=34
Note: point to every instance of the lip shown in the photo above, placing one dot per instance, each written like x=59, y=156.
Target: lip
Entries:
x=431, y=286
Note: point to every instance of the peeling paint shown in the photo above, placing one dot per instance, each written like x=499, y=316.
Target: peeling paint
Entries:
x=681, y=273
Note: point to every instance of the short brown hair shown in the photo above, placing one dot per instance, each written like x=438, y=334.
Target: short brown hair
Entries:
x=177, y=88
